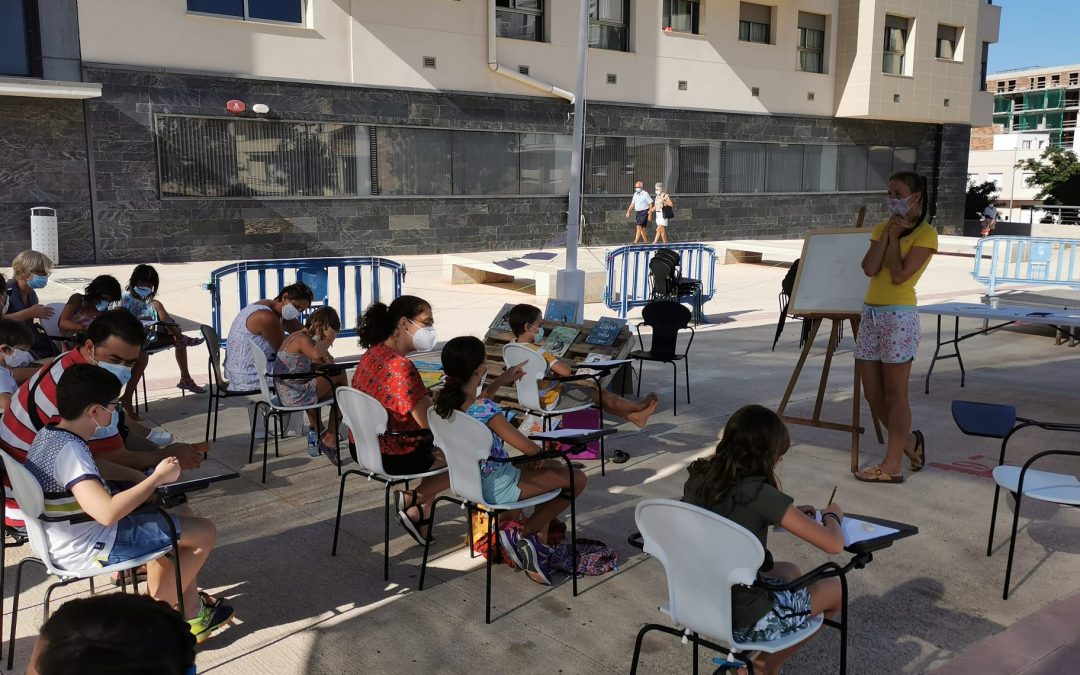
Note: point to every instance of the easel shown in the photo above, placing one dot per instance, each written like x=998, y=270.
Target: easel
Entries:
x=856, y=406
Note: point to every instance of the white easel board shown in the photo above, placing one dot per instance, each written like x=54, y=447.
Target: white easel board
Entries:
x=830, y=279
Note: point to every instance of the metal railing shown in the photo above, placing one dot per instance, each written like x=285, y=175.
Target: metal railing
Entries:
x=628, y=282
x=348, y=285
x=1026, y=260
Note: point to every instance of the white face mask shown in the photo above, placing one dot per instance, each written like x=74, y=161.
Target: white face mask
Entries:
x=18, y=358
x=899, y=207
x=424, y=339
x=483, y=381
x=289, y=312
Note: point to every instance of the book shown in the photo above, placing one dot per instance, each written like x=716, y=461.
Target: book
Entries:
x=560, y=338
x=606, y=331
x=561, y=311
x=500, y=323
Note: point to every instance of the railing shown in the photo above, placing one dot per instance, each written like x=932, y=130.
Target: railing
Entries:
x=353, y=283
x=628, y=283
x=1026, y=260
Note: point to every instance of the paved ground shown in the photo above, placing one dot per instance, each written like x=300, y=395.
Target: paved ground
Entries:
x=915, y=608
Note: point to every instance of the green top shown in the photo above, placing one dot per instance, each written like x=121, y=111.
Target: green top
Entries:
x=755, y=505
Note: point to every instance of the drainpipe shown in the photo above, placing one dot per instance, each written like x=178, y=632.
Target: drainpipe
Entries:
x=513, y=74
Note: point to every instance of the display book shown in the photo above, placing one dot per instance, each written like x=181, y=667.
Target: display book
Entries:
x=606, y=331
x=560, y=338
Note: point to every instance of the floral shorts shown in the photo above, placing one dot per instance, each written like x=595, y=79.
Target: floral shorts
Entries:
x=790, y=612
x=889, y=334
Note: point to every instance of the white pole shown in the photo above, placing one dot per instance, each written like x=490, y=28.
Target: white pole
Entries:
x=570, y=281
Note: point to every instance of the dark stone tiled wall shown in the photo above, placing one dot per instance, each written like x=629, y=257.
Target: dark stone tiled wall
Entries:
x=43, y=163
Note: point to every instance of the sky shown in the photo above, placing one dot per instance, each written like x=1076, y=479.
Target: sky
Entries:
x=1036, y=33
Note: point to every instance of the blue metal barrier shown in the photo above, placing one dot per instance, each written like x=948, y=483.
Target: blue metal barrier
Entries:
x=628, y=283
x=354, y=283
x=1045, y=261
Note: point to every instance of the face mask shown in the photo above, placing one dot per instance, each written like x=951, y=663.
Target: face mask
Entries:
x=480, y=387
x=111, y=429
x=18, y=358
x=142, y=291
x=637, y=189
x=424, y=339
x=38, y=281
x=289, y=312
x=539, y=335
x=122, y=373
x=102, y=305
x=898, y=207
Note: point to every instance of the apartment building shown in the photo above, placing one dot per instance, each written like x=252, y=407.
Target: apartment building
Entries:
x=1038, y=100
x=366, y=126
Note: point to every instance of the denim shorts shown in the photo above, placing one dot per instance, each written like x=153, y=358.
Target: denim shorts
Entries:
x=140, y=534
x=790, y=612
x=501, y=485
x=889, y=334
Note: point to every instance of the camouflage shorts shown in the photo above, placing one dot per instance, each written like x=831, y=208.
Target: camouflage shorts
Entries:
x=790, y=612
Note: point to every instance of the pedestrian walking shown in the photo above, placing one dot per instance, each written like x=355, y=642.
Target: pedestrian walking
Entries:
x=663, y=211
x=640, y=204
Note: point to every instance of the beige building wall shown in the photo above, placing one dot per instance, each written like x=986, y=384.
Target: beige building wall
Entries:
x=383, y=43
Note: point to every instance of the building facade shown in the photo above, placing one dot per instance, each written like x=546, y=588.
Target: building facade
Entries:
x=444, y=125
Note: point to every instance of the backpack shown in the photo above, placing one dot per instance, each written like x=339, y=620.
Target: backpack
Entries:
x=594, y=557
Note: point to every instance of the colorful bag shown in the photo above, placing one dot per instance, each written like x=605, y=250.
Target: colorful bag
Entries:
x=482, y=543
x=594, y=557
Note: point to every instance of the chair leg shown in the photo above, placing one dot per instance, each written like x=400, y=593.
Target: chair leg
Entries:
x=694, y=651
x=279, y=431
x=15, y=612
x=91, y=580
x=843, y=625
x=573, y=535
x=209, y=409
x=492, y=551
x=640, y=372
x=647, y=628
x=686, y=365
x=337, y=519
x=145, y=397
x=134, y=581
x=217, y=413
x=1012, y=547
x=386, y=533
x=266, y=443
x=993, y=521
x=427, y=544
x=254, y=421
x=675, y=387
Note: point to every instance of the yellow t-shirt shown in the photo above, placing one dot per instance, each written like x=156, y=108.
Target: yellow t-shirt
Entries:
x=549, y=395
x=882, y=290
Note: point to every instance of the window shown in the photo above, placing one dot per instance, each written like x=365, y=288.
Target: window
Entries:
x=520, y=19
x=1040, y=82
x=609, y=24
x=947, y=37
x=896, y=32
x=682, y=16
x=754, y=22
x=544, y=164
x=811, y=42
x=283, y=11
x=1026, y=145
x=868, y=168
x=745, y=167
x=1055, y=80
x=1000, y=87
x=19, y=44
x=1074, y=79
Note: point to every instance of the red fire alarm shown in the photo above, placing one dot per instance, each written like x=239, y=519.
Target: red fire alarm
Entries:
x=235, y=106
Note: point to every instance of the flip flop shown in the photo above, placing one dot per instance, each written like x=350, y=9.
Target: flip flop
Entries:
x=619, y=457
x=879, y=476
x=917, y=456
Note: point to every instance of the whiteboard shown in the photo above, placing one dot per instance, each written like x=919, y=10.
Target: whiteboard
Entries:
x=830, y=279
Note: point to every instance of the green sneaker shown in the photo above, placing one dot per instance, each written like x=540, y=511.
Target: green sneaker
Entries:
x=209, y=619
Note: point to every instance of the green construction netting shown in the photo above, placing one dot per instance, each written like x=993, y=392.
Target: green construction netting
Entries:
x=1030, y=121
x=1002, y=104
x=1054, y=97
x=1034, y=100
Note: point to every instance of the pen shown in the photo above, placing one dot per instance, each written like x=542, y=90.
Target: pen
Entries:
x=833, y=495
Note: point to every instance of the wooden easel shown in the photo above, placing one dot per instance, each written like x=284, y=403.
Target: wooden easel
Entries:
x=854, y=428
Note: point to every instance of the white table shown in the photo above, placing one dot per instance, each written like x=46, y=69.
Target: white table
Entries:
x=1004, y=314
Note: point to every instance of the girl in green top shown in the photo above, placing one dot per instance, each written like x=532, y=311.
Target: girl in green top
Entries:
x=739, y=483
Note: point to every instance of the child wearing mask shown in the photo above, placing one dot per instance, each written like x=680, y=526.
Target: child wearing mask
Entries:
x=30, y=273
x=15, y=341
x=82, y=308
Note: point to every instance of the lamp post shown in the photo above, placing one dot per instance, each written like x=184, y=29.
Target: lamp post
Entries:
x=570, y=281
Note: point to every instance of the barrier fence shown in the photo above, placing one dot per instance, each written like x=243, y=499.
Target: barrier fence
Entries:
x=628, y=283
x=348, y=285
x=1026, y=260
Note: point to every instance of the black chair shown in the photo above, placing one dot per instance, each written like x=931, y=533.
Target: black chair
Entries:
x=665, y=269
x=666, y=318
x=218, y=389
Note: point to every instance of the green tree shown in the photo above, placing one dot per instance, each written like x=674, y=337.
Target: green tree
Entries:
x=1057, y=175
x=979, y=196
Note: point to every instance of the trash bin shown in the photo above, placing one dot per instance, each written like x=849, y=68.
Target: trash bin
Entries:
x=43, y=235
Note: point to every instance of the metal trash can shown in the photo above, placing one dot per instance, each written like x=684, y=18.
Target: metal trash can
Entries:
x=43, y=235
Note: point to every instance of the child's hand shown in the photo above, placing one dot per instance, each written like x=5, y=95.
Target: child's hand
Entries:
x=833, y=509
x=167, y=470
x=807, y=509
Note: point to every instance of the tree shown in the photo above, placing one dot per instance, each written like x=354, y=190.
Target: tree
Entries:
x=1057, y=175
x=979, y=196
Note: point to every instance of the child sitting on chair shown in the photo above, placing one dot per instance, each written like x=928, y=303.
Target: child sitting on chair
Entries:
x=82, y=308
x=739, y=483
x=503, y=483
x=73, y=483
x=16, y=338
x=526, y=321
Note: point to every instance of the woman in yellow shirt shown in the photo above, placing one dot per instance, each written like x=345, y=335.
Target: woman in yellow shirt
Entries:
x=900, y=249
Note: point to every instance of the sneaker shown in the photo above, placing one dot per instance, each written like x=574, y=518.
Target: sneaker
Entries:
x=188, y=384
x=534, y=556
x=510, y=538
x=209, y=619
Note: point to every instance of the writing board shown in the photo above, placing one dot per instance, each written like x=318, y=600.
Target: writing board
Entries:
x=830, y=280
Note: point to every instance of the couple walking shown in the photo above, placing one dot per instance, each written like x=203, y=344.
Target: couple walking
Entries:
x=645, y=207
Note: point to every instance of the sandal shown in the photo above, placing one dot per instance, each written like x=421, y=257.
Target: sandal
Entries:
x=140, y=574
x=917, y=456
x=188, y=341
x=879, y=476
x=332, y=453
x=413, y=528
x=188, y=384
x=619, y=457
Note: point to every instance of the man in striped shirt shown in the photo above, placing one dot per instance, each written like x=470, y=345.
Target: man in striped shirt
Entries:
x=113, y=342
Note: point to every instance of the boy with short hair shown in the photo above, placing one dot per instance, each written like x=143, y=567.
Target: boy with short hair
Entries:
x=16, y=338
x=60, y=459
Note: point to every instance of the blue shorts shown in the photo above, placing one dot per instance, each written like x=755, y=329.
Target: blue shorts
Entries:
x=140, y=534
x=501, y=485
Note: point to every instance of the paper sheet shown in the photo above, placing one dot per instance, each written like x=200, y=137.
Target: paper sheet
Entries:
x=856, y=531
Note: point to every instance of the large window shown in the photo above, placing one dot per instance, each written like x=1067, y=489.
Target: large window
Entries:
x=868, y=168
x=947, y=39
x=520, y=19
x=755, y=22
x=779, y=167
x=19, y=38
x=609, y=24
x=284, y=11
x=614, y=163
x=896, y=32
x=811, y=42
x=682, y=16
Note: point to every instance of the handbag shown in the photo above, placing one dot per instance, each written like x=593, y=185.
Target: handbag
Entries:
x=669, y=212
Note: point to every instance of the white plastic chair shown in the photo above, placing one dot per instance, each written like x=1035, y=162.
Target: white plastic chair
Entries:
x=704, y=555
x=1056, y=488
x=366, y=418
x=31, y=500
x=271, y=406
x=466, y=442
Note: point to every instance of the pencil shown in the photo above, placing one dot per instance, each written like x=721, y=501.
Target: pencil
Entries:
x=831, y=497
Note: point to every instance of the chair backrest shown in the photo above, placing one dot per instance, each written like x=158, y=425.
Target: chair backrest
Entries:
x=703, y=555
x=261, y=367
x=528, y=387
x=213, y=348
x=31, y=501
x=465, y=442
x=366, y=418
x=666, y=318
x=663, y=274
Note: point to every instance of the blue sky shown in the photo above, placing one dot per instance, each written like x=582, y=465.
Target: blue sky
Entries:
x=1036, y=33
